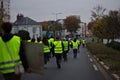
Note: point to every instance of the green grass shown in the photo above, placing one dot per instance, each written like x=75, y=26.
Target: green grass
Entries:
x=108, y=55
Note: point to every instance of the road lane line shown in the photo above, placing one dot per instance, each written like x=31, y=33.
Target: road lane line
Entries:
x=95, y=67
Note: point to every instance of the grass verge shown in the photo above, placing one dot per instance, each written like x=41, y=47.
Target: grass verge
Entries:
x=108, y=55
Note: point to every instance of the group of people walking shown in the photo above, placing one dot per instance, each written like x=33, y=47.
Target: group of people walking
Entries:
x=11, y=48
x=56, y=47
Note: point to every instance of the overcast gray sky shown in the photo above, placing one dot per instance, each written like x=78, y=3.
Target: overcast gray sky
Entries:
x=44, y=10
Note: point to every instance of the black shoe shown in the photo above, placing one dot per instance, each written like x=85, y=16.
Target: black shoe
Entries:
x=58, y=66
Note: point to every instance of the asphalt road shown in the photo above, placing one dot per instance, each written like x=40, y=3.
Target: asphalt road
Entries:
x=81, y=68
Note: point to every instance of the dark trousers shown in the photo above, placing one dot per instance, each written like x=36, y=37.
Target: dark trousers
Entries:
x=51, y=53
x=58, y=60
x=65, y=55
x=46, y=57
x=11, y=76
x=83, y=45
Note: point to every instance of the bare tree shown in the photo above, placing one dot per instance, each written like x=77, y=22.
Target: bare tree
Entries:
x=97, y=12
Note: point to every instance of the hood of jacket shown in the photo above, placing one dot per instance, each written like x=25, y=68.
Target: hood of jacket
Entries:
x=6, y=37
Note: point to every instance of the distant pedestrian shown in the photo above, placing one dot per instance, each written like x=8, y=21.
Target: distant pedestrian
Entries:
x=83, y=42
x=74, y=45
x=58, y=51
x=11, y=48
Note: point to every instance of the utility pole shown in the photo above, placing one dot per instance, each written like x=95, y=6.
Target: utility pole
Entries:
x=56, y=15
x=56, y=18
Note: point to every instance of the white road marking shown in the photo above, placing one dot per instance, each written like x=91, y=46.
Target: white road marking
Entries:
x=116, y=76
x=101, y=62
x=88, y=55
x=91, y=59
x=106, y=67
x=95, y=67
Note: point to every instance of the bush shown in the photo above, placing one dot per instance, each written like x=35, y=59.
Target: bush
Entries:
x=114, y=45
x=102, y=51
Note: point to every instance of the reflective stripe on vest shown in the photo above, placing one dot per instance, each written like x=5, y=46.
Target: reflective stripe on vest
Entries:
x=6, y=63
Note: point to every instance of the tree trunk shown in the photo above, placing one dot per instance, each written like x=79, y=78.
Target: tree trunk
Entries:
x=108, y=41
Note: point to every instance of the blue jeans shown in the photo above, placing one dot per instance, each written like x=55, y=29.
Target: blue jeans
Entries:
x=74, y=53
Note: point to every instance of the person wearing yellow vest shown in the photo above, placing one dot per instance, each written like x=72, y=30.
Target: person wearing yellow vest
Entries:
x=33, y=40
x=29, y=40
x=83, y=42
x=75, y=47
x=13, y=42
x=66, y=49
x=58, y=51
x=46, y=49
x=40, y=41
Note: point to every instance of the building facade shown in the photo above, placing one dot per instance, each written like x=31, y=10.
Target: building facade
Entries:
x=5, y=10
x=82, y=30
x=25, y=23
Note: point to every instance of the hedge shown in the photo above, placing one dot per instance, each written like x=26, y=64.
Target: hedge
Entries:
x=114, y=45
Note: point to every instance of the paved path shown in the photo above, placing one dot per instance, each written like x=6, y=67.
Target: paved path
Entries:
x=81, y=68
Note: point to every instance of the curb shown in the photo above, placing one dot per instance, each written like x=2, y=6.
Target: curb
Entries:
x=114, y=76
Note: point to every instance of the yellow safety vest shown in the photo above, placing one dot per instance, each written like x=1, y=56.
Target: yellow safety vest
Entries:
x=75, y=45
x=40, y=42
x=65, y=43
x=50, y=41
x=83, y=41
x=58, y=47
x=78, y=41
x=28, y=40
x=46, y=49
x=6, y=63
